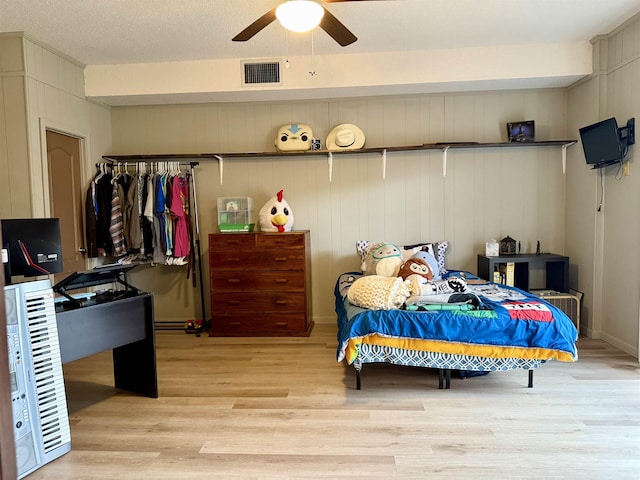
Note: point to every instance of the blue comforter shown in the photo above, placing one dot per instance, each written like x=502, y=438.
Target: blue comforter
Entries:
x=509, y=323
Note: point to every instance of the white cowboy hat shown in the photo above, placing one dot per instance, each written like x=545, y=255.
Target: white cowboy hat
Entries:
x=345, y=136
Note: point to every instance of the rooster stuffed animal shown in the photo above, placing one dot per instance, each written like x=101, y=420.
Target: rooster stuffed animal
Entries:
x=276, y=215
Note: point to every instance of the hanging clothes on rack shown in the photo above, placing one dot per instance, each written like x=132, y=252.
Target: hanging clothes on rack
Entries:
x=149, y=235
x=98, y=213
x=168, y=214
x=142, y=215
x=116, y=225
x=179, y=210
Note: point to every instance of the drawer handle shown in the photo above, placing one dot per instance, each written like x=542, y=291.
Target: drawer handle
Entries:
x=281, y=280
x=234, y=324
x=281, y=259
x=233, y=302
x=281, y=302
x=281, y=324
x=232, y=259
x=233, y=280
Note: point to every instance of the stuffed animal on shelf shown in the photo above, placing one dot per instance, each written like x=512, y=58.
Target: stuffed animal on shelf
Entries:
x=276, y=215
x=416, y=266
x=294, y=137
x=384, y=259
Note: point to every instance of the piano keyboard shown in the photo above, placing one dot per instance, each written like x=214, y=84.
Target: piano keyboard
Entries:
x=49, y=381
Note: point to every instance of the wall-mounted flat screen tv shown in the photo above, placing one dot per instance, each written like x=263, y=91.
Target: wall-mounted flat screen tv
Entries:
x=34, y=246
x=602, y=144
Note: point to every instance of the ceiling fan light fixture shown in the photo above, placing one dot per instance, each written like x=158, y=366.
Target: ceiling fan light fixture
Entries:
x=300, y=15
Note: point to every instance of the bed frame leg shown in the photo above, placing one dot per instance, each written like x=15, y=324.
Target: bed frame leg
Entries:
x=530, y=379
x=358, y=383
x=444, y=378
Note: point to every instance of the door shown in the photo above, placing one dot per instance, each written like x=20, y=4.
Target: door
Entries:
x=65, y=191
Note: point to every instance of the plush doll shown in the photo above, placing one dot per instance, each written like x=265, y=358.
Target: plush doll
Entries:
x=377, y=292
x=431, y=260
x=384, y=259
x=276, y=215
x=416, y=266
x=294, y=137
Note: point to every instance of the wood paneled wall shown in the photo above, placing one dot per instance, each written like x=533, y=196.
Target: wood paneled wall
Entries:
x=486, y=194
x=41, y=88
x=604, y=242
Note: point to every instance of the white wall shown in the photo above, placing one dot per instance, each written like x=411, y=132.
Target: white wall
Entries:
x=486, y=193
x=41, y=88
x=605, y=243
x=15, y=198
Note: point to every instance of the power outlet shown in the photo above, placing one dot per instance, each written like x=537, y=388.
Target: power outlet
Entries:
x=626, y=169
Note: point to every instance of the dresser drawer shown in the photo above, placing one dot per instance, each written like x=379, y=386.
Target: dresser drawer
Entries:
x=279, y=240
x=230, y=241
x=255, y=324
x=226, y=303
x=247, y=280
x=282, y=259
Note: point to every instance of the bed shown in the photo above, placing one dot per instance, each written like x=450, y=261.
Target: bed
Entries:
x=505, y=329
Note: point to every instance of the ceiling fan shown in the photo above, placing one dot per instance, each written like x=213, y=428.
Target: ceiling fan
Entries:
x=330, y=24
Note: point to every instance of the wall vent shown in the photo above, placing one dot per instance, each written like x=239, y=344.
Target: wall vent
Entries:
x=261, y=73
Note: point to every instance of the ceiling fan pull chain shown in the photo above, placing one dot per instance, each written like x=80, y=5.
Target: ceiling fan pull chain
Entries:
x=286, y=41
x=313, y=70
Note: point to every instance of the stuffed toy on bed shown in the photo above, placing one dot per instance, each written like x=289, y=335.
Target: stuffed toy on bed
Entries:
x=431, y=260
x=383, y=259
x=378, y=292
x=416, y=266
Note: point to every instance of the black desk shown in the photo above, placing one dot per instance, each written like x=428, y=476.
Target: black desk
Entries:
x=556, y=266
x=124, y=324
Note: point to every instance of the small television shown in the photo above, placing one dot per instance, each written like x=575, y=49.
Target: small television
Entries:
x=604, y=143
x=33, y=246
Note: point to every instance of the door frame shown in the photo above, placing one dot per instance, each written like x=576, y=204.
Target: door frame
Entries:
x=83, y=138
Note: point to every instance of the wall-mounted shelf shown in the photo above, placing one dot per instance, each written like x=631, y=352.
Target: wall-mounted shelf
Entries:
x=444, y=147
x=425, y=146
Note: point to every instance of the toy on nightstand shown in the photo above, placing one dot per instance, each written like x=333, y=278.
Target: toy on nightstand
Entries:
x=276, y=215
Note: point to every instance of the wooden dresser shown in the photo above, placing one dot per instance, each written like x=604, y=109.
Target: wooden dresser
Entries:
x=260, y=284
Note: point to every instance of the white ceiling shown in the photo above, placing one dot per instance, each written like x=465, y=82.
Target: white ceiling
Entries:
x=116, y=32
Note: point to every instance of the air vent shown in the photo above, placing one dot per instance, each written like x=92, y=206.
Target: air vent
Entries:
x=261, y=73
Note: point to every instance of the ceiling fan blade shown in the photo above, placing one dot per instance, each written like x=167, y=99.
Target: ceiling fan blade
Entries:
x=336, y=29
x=256, y=26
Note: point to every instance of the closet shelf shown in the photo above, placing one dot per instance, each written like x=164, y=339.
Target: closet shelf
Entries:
x=425, y=146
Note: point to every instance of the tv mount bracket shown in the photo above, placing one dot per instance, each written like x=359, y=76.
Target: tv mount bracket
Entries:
x=628, y=133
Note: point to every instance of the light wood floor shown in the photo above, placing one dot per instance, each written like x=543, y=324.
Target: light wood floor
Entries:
x=255, y=408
